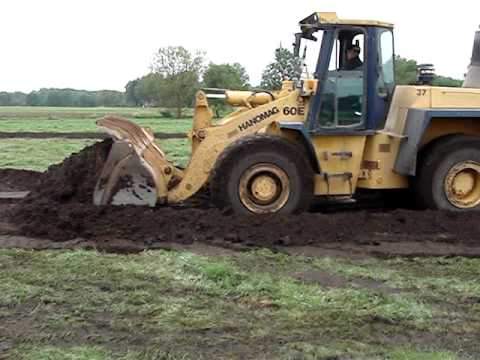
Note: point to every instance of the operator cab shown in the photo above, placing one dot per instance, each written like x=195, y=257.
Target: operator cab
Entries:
x=354, y=65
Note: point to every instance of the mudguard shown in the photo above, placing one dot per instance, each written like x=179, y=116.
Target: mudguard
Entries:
x=417, y=123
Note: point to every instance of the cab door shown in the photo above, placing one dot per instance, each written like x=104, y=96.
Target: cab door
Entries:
x=338, y=116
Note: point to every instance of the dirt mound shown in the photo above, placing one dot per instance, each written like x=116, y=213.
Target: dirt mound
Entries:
x=59, y=191
x=70, y=182
x=18, y=180
x=60, y=208
x=211, y=226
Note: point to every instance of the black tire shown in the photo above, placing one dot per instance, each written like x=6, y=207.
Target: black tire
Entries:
x=248, y=152
x=434, y=165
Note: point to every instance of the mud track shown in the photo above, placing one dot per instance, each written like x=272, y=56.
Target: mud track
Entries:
x=58, y=213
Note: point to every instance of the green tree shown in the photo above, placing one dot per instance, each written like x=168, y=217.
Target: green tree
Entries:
x=33, y=99
x=225, y=76
x=5, y=98
x=16, y=98
x=109, y=98
x=87, y=100
x=145, y=90
x=406, y=74
x=72, y=97
x=284, y=67
x=151, y=89
x=181, y=71
x=131, y=97
x=405, y=71
x=447, y=81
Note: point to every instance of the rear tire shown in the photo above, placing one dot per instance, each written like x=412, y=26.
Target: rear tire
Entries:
x=262, y=174
x=448, y=176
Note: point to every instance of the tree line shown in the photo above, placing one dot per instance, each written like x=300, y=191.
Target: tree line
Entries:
x=406, y=74
x=64, y=97
x=177, y=73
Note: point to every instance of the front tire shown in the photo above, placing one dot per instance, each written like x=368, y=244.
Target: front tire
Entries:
x=449, y=175
x=262, y=174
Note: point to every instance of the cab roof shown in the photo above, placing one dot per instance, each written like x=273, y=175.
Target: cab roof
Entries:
x=319, y=19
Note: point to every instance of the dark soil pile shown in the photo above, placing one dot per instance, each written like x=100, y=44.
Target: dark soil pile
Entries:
x=18, y=180
x=189, y=225
x=60, y=190
x=72, y=181
x=60, y=208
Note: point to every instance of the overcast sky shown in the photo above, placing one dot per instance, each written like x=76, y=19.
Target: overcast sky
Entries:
x=102, y=44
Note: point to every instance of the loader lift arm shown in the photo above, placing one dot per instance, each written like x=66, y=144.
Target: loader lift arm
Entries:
x=136, y=158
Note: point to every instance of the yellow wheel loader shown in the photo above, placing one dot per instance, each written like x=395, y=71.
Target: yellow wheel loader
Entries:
x=330, y=133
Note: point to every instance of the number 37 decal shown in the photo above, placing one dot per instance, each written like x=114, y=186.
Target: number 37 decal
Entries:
x=421, y=92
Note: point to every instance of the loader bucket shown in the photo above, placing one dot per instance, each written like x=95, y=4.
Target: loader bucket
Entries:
x=136, y=171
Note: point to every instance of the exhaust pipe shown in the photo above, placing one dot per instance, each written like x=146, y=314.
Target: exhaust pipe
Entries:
x=472, y=79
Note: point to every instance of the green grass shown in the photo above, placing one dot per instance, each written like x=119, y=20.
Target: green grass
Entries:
x=456, y=278
x=295, y=351
x=24, y=112
x=36, y=154
x=43, y=119
x=172, y=305
x=88, y=125
x=177, y=150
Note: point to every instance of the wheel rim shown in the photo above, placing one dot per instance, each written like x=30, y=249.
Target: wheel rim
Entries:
x=264, y=188
x=462, y=185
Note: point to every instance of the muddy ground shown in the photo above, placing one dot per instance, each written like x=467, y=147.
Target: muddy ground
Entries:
x=58, y=214
x=18, y=180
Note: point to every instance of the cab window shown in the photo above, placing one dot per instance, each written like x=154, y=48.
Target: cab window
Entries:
x=386, y=79
x=343, y=91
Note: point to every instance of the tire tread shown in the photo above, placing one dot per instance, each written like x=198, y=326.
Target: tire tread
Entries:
x=254, y=144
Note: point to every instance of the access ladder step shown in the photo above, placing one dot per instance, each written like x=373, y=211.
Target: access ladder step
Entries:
x=343, y=155
x=346, y=175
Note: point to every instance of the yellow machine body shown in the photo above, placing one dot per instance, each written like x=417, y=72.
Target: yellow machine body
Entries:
x=343, y=163
x=373, y=156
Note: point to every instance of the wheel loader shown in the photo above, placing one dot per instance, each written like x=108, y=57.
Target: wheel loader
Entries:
x=341, y=129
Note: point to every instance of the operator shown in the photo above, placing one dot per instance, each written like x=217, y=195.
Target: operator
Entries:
x=353, y=61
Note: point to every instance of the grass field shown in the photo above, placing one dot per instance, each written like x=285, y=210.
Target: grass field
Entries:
x=38, y=119
x=36, y=154
x=257, y=305
x=88, y=125
x=61, y=113
x=31, y=112
x=220, y=305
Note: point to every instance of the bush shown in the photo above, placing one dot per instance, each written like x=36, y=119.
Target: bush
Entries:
x=166, y=114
